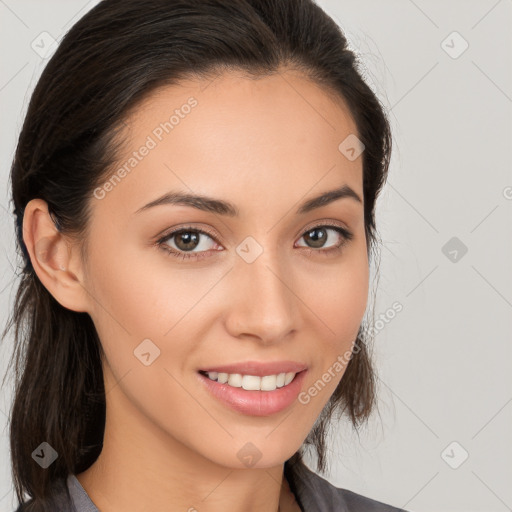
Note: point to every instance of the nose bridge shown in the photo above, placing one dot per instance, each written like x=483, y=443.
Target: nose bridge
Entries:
x=263, y=303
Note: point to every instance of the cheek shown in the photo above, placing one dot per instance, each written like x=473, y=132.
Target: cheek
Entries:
x=339, y=305
x=145, y=316
x=131, y=293
x=340, y=300
x=137, y=299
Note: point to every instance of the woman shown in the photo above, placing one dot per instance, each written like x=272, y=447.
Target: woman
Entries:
x=194, y=189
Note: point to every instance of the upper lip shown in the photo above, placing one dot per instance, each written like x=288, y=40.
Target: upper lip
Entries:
x=258, y=368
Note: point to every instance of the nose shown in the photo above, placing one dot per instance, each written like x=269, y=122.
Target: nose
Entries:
x=262, y=301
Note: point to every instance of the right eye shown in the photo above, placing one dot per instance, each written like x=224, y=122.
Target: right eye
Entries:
x=186, y=239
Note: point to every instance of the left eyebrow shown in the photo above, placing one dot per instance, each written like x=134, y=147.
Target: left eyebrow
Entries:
x=344, y=192
x=222, y=207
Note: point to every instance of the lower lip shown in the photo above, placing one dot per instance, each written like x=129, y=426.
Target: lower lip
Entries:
x=255, y=403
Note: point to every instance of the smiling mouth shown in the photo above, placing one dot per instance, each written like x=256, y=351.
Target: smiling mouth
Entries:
x=252, y=382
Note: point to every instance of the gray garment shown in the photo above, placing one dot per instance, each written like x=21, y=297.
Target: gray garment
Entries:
x=315, y=494
x=81, y=499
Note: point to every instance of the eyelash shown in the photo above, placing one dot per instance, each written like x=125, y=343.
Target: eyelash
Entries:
x=346, y=236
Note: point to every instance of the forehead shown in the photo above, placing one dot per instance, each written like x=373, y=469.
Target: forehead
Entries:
x=237, y=101
x=275, y=136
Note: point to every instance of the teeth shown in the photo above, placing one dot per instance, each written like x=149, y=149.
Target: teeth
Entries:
x=253, y=382
x=235, y=380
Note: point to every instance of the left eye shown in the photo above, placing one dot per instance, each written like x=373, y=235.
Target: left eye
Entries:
x=318, y=235
x=188, y=238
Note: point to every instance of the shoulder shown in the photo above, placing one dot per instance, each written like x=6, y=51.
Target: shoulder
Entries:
x=316, y=494
x=61, y=499
x=357, y=502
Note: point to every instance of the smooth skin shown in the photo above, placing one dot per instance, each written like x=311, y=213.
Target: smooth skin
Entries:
x=267, y=146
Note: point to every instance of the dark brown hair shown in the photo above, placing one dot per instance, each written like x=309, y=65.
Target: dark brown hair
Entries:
x=110, y=60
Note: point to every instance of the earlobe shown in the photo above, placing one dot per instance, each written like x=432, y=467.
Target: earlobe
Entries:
x=55, y=262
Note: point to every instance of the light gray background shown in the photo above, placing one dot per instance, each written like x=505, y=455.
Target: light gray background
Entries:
x=444, y=361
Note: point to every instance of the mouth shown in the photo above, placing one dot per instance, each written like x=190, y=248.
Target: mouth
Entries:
x=253, y=395
x=252, y=382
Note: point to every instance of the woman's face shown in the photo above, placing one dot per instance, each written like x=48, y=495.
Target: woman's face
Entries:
x=251, y=283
